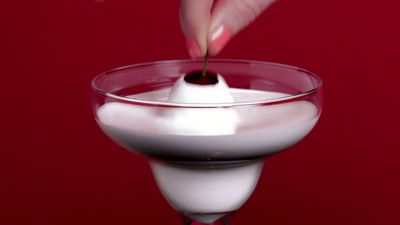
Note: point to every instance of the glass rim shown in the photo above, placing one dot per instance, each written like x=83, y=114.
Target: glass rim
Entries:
x=278, y=100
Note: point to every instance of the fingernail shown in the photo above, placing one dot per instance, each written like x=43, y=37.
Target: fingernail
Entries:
x=219, y=38
x=193, y=48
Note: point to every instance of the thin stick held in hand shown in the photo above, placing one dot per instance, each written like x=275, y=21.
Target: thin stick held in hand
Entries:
x=205, y=67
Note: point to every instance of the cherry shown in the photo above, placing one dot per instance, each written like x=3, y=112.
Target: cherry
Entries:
x=197, y=77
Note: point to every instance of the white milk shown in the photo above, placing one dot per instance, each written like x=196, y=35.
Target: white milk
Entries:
x=207, y=188
x=245, y=133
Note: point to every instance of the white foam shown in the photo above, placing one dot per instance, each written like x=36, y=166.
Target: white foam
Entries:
x=211, y=121
x=184, y=92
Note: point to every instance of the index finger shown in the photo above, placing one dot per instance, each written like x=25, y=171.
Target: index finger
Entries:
x=195, y=18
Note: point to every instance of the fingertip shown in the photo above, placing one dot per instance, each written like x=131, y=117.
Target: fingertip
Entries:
x=195, y=18
x=193, y=48
x=218, y=39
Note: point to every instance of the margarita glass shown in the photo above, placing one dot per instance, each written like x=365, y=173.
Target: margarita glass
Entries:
x=207, y=157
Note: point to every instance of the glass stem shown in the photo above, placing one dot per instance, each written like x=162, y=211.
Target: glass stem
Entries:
x=224, y=220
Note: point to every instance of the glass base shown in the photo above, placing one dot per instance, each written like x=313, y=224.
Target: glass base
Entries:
x=207, y=218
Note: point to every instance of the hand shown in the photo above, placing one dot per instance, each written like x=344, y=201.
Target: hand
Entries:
x=209, y=24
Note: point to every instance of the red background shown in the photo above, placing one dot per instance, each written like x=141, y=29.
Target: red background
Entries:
x=56, y=167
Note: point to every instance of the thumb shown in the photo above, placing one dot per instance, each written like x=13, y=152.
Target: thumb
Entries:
x=229, y=17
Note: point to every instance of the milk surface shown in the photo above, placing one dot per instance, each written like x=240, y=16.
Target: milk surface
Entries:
x=265, y=129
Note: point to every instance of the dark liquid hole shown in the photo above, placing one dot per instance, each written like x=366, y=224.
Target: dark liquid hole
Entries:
x=196, y=77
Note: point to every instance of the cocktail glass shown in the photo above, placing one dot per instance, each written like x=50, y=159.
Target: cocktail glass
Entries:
x=207, y=158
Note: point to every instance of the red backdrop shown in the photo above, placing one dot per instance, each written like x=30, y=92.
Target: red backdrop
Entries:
x=56, y=167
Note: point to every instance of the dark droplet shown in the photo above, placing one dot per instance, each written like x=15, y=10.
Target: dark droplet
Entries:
x=196, y=77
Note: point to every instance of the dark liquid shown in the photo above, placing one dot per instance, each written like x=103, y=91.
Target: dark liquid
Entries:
x=197, y=77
